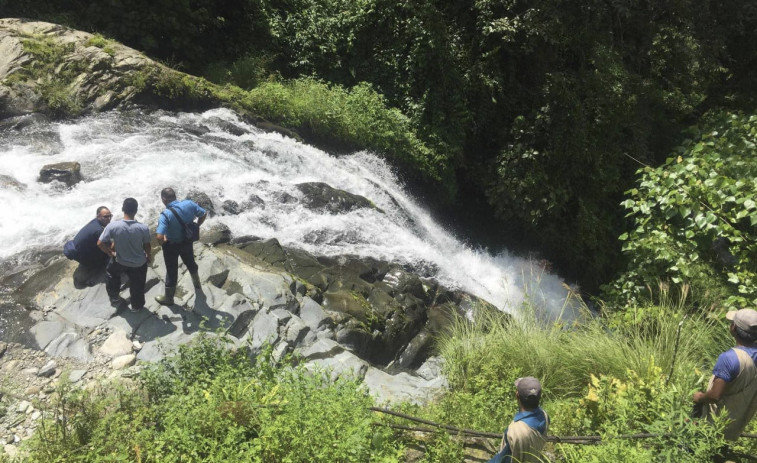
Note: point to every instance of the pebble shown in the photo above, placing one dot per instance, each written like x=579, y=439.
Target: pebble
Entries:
x=23, y=405
x=123, y=361
x=36, y=415
x=76, y=375
x=32, y=390
x=48, y=370
x=30, y=371
x=10, y=450
x=12, y=365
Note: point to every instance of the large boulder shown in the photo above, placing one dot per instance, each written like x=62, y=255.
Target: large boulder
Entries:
x=68, y=173
x=79, y=73
x=203, y=200
x=324, y=197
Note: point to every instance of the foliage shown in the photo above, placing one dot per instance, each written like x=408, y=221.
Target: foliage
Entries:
x=490, y=351
x=53, y=77
x=642, y=403
x=349, y=120
x=212, y=404
x=693, y=218
x=247, y=72
x=99, y=41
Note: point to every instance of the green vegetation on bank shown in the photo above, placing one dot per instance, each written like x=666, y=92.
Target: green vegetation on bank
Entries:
x=53, y=76
x=328, y=115
x=627, y=373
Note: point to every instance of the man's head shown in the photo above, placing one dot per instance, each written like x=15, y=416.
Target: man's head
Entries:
x=167, y=195
x=103, y=215
x=528, y=392
x=130, y=207
x=743, y=325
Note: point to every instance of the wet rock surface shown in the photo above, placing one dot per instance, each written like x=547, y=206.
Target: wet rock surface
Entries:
x=323, y=197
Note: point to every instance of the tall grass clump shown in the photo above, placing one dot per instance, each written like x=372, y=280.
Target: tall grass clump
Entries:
x=608, y=375
x=564, y=356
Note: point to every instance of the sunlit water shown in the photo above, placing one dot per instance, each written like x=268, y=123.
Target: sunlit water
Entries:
x=137, y=154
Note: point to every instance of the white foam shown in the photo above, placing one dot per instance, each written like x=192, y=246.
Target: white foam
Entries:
x=137, y=155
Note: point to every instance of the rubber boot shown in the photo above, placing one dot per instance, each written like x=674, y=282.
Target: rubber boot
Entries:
x=167, y=298
x=195, y=279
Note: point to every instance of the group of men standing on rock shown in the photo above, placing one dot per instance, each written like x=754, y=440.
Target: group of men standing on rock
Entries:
x=123, y=247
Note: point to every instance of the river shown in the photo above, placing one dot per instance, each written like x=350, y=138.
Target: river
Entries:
x=137, y=153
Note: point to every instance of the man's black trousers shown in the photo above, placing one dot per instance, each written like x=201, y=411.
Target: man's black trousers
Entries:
x=137, y=277
x=171, y=253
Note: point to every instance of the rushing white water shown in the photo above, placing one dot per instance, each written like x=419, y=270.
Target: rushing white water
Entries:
x=137, y=154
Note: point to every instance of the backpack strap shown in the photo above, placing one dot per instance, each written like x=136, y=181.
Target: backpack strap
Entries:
x=181, y=222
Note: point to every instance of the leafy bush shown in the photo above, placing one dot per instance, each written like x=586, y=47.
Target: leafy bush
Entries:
x=694, y=217
x=211, y=404
x=643, y=403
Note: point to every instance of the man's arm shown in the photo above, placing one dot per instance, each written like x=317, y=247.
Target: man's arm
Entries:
x=106, y=247
x=713, y=394
x=148, y=252
x=160, y=233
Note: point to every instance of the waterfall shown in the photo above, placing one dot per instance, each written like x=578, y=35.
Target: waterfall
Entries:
x=136, y=154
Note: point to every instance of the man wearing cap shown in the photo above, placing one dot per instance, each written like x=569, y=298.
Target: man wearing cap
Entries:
x=733, y=384
x=526, y=435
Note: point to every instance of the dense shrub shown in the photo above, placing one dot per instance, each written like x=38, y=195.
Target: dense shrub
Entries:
x=211, y=404
x=607, y=376
x=694, y=218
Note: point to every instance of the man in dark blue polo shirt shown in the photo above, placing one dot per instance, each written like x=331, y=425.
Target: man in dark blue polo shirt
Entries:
x=83, y=249
x=172, y=236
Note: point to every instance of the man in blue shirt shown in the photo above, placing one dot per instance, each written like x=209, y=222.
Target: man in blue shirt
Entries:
x=171, y=234
x=526, y=435
x=733, y=385
x=83, y=249
x=128, y=243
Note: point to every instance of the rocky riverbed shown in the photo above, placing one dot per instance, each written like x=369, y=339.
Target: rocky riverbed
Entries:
x=354, y=316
